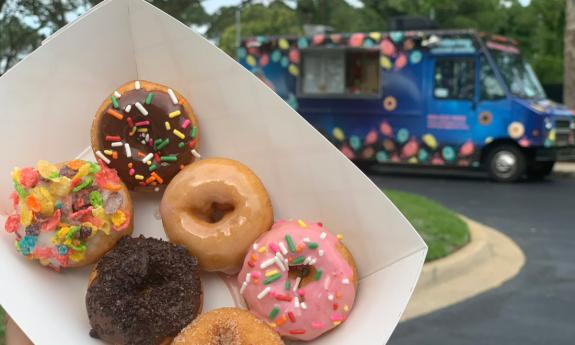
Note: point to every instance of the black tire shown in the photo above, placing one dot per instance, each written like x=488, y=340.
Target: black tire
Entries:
x=506, y=163
x=540, y=170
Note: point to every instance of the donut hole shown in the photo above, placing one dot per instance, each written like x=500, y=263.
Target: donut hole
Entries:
x=152, y=280
x=305, y=272
x=215, y=212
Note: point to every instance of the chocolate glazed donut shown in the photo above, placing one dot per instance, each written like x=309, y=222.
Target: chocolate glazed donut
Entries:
x=144, y=291
x=147, y=132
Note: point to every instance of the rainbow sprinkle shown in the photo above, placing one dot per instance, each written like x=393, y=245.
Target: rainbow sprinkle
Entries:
x=149, y=98
x=115, y=102
x=290, y=243
x=273, y=314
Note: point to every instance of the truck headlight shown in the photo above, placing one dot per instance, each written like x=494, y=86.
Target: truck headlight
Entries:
x=548, y=124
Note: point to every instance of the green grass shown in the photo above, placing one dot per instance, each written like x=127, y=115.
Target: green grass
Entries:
x=442, y=230
x=2, y=325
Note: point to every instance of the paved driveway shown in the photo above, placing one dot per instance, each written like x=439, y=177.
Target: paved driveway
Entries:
x=536, y=307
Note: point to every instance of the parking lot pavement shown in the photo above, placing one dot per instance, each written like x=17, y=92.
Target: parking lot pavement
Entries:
x=536, y=307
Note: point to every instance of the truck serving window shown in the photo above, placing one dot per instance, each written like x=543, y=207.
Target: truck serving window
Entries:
x=323, y=73
x=454, y=78
x=490, y=89
x=338, y=72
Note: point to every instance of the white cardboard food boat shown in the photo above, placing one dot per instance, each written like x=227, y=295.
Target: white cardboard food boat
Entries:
x=46, y=106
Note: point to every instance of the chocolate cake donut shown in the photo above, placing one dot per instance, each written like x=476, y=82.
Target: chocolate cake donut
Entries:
x=147, y=132
x=144, y=291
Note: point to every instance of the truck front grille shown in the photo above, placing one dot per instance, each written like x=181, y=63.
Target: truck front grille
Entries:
x=562, y=124
x=562, y=132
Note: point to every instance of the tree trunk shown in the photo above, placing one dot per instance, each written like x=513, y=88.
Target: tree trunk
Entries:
x=569, y=55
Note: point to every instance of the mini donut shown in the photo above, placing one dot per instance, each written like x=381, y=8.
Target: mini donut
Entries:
x=299, y=278
x=144, y=291
x=68, y=214
x=147, y=132
x=231, y=326
x=216, y=208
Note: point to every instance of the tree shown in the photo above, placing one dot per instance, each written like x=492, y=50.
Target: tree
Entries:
x=537, y=27
x=339, y=15
x=468, y=14
x=569, y=78
x=25, y=23
x=287, y=17
x=16, y=41
x=256, y=19
x=187, y=11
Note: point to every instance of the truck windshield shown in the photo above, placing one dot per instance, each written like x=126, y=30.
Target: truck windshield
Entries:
x=518, y=75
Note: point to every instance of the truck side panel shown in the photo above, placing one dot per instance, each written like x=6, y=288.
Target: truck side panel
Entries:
x=388, y=127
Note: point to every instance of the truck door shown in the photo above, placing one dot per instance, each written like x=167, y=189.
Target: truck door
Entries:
x=493, y=108
x=451, y=106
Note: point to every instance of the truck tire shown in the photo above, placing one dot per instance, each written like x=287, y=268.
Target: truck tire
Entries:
x=539, y=170
x=506, y=163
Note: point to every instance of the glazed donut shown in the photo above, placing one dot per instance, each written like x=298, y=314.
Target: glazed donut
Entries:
x=227, y=326
x=299, y=278
x=144, y=291
x=69, y=214
x=216, y=208
x=147, y=132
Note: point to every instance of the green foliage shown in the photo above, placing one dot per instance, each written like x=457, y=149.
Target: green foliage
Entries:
x=339, y=15
x=16, y=38
x=25, y=23
x=186, y=11
x=275, y=19
x=441, y=229
x=2, y=326
x=539, y=30
x=538, y=27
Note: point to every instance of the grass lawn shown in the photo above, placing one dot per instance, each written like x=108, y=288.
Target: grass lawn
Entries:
x=1, y=326
x=442, y=230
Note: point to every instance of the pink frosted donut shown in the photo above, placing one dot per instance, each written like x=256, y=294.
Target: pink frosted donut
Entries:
x=299, y=278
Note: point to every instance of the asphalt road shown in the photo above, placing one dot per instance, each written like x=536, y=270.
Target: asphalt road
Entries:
x=537, y=306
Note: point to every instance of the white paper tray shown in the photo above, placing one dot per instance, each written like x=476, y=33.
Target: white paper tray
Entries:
x=46, y=106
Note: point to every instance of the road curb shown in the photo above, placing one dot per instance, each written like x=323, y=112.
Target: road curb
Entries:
x=487, y=261
x=564, y=168
x=473, y=253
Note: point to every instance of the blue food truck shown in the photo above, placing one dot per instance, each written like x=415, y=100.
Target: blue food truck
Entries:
x=442, y=98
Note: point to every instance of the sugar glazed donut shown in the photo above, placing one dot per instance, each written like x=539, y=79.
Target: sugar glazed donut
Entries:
x=69, y=214
x=144, y=291
x=147, y=132
x=216, y=208
x=227, y=326
x=299, y=278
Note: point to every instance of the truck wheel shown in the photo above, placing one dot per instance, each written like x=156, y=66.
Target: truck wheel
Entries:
x=539, y=170
x=506, y=163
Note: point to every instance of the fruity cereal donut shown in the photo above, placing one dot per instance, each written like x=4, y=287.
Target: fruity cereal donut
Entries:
x=147, y=132
x=70, y=214
x=227, y=326
x=300, y=278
